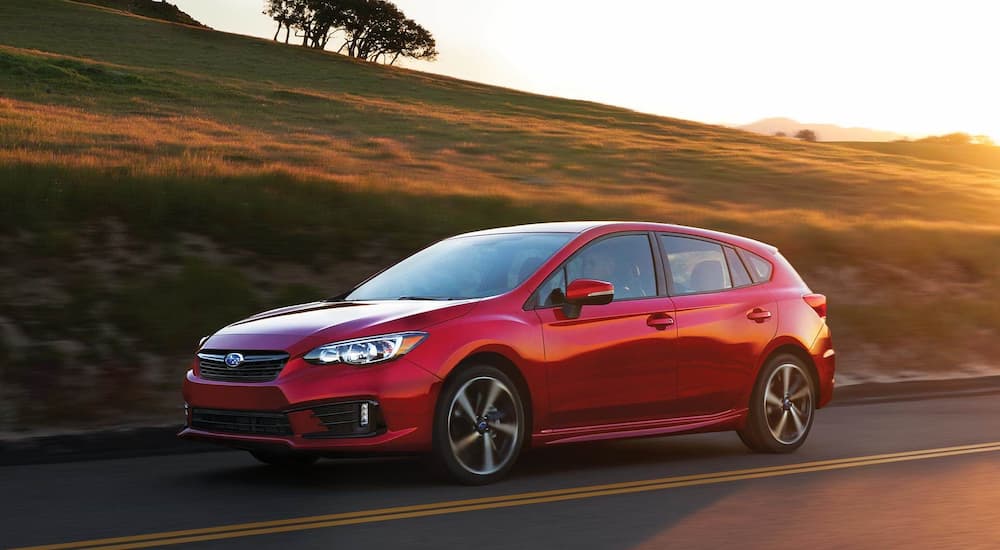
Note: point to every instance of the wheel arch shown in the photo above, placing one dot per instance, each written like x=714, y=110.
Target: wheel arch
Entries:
x=799, y=351
x=508, y=367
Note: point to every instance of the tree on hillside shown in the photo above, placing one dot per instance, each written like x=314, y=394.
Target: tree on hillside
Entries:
x=285, y=13
x=373, y=30
x=376, y=29
x=312, y=20
x=806, y=134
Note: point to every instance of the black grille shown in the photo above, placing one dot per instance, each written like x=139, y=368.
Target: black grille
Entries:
x=257, y=366
x=344, y=419
x=254, y=423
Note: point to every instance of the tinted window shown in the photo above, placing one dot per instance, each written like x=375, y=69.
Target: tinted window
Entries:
x=695, y=265
x=736, y=268
x=464, y=267
x=760, y=269
x=626, y=261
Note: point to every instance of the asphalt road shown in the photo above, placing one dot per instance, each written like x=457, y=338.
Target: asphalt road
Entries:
x=914, y=473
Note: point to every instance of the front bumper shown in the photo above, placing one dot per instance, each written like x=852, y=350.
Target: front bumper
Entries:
x=400, y=394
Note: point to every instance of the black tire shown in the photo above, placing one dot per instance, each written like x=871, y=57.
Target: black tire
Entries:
x=461, y=447
x=285, y=460
x=780, y=416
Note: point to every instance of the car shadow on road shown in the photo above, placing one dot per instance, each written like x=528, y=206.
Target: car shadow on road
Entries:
x=236, y=484
x=574, y=463
x=633, y=455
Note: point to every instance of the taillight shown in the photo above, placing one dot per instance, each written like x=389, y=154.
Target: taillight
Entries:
x=817, y=302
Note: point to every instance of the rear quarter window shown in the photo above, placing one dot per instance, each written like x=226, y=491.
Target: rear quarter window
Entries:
x=760, y=269
x=736, y=269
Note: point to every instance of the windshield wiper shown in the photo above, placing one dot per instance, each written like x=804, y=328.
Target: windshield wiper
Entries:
x=422, y=298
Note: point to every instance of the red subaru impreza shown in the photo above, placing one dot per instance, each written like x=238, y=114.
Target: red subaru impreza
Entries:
x=488, y=342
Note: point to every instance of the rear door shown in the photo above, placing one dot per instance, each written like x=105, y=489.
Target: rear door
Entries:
x=724, y=321
x=613, y=363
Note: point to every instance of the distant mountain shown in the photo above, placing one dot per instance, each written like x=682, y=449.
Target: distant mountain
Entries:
x=824, y=132
x=154, y=9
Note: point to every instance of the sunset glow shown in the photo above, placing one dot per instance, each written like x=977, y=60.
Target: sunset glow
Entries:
x=912, y=68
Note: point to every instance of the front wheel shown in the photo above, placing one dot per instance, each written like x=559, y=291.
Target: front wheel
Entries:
x=479, y=426
x=781, y=407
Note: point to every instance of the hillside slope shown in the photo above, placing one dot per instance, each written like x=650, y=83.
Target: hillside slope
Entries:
x=158, y=181
x=970, y=154
x=156, y=9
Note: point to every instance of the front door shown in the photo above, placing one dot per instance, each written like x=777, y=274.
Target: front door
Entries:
x=613, y=363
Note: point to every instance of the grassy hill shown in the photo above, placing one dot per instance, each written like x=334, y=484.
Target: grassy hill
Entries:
x=967, y=154
x=159, y=180
x=156, y=9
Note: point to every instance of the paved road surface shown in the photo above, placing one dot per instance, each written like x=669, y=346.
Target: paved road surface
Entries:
x=914, y=473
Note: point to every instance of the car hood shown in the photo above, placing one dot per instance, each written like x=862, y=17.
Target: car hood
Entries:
x=299, y=328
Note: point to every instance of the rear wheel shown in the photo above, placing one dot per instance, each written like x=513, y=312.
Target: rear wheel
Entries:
x=781, y=408
x=284, y=460
x=479, y=426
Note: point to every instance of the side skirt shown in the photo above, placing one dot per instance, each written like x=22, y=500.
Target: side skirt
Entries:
x=727, y=420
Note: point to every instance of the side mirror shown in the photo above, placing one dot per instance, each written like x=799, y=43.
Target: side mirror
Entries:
x=587, y=292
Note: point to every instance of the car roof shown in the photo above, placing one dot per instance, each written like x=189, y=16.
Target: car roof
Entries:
x=545, y=227
x=604, y=227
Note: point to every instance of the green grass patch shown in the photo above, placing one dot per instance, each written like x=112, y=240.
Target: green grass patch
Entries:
x=166, y=310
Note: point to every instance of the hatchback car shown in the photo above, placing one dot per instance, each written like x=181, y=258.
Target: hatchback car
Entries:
x=486, y=343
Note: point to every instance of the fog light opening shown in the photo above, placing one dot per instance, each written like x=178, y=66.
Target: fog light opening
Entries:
x=364, y=414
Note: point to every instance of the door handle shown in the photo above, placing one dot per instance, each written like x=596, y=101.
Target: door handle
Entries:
x=660, y=321
x=759, y=315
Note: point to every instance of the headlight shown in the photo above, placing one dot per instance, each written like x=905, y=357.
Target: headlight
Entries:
x=366, y=351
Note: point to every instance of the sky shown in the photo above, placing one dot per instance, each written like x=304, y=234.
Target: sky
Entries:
x=914, y=67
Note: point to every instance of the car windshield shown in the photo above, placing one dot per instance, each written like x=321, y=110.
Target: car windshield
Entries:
x=464, y=267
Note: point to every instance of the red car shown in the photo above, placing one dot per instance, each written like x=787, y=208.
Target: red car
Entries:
x=488, y=342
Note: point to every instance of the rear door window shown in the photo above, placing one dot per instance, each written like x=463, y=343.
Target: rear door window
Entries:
x=695, y=265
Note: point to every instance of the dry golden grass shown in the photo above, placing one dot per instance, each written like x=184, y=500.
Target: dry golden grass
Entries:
x=200, y=146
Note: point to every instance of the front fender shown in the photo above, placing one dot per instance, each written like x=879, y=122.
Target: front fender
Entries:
x=517, y=338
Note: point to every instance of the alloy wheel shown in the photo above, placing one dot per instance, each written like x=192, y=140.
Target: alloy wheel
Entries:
x=788, y=403
x=483, y=425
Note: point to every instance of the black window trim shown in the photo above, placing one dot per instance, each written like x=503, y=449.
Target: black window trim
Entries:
x=532, y=302
x=671, y=291
x=739, y=258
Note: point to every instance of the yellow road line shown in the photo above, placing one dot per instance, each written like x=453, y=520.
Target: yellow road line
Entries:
x=449, y=504
x=504, y=501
